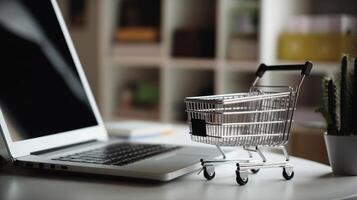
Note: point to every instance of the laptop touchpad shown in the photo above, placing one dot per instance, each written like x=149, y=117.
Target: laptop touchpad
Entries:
x=165, y=163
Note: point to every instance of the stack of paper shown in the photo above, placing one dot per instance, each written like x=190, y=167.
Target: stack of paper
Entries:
x=137, y=129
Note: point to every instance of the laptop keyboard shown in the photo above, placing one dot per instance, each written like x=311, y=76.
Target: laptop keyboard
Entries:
x=119, y=154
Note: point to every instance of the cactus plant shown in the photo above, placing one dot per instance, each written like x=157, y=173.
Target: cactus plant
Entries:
x=339, y=99
x=354, y=96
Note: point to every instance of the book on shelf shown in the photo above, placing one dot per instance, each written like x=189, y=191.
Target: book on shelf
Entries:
x=137, y=34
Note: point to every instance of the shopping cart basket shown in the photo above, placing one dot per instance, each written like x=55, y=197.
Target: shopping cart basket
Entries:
x=260, y=118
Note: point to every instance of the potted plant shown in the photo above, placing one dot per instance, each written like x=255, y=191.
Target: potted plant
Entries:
x=339, y=108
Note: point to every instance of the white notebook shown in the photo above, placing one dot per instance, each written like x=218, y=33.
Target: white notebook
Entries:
x=137, y=129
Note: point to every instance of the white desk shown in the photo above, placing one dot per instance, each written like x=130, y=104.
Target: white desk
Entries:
x=311, y=181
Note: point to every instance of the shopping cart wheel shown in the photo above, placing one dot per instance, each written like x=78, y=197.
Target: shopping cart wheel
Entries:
x=209, y=173
x=288, y=173
x=241, y=179
x=254, y=171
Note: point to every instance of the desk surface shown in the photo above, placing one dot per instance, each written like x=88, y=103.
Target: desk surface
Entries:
x=312, y=181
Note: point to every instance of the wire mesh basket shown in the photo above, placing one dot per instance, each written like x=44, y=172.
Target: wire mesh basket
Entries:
x=259, y=117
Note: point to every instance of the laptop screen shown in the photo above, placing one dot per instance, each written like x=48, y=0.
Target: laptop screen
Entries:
x=40, y=89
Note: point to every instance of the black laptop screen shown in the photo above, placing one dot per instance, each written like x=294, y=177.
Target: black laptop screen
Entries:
x=40, y=89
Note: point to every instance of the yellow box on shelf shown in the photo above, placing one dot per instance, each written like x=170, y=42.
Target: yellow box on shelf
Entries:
x=316, y=46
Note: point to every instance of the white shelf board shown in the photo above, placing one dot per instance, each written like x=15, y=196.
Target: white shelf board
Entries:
x=193, y=63
x=140, y=61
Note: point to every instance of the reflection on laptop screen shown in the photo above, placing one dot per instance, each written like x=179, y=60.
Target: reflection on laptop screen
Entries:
x=40, y=90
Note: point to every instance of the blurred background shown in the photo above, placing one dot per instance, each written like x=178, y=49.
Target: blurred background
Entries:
x=143, y=57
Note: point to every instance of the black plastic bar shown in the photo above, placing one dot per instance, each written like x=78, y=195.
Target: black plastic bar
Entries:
x=304, y=68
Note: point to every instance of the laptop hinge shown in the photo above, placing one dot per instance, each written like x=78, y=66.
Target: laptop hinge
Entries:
x=60, y=147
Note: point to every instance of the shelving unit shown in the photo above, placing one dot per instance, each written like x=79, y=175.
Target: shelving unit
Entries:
x=179, y=77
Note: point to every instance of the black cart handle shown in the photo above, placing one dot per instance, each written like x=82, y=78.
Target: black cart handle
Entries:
x=305, y=68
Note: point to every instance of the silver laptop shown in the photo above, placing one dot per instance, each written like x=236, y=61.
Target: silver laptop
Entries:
x=49, y=119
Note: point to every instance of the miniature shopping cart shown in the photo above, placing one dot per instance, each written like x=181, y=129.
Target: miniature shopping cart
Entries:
x=260, y=118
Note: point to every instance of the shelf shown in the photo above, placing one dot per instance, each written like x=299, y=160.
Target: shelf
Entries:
x=193, y=63
x=135, y=93
x=242, y=25
x=137, y=49
x=193, y=28
x=236, y=82
x=138, y=21
x=188, y=82
x=191, y=72
x=121, y=61
x=244, y=66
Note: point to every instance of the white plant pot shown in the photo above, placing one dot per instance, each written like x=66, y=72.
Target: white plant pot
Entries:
x=342, y=154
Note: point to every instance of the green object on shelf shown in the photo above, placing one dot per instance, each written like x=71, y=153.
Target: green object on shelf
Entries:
x=147, y=94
